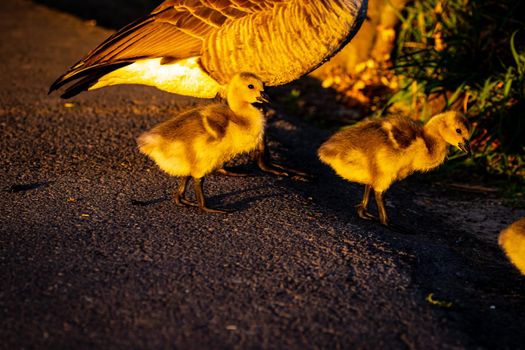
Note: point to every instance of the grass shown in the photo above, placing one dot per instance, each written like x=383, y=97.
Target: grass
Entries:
x=449, y=54
x=467, y=55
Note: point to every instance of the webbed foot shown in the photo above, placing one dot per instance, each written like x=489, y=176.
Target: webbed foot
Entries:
x=232, y=172
x=281, y=170
x=363, y=213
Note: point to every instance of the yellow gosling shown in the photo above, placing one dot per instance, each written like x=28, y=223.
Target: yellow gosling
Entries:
x=199, y=141
x=194, y=48
x=512, y=241
x=378, y=152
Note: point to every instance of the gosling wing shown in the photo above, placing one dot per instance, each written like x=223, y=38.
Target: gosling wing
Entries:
x=211, y=120
x=215, y=121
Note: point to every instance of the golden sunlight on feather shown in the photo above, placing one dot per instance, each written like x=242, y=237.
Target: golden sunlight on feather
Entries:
x=512, y=241
x=212, y=40
x=379, y=152
x=199, y=141
x=196, y=47
x=184, y=77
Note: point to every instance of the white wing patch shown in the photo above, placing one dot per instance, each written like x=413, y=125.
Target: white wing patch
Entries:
x=184, y=77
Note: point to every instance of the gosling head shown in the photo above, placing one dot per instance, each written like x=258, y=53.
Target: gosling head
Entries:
x=246, y=87
x=455, y=130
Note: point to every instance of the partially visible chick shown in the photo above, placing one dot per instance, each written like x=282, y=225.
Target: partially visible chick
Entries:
x=378, y=152
x=512, y=241
x=199, y=141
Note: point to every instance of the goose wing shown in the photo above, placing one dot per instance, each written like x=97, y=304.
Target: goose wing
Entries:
x=284, y=42
x=176, y=29
x=279, y=40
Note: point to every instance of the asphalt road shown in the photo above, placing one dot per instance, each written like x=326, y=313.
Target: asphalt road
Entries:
x=93, y=253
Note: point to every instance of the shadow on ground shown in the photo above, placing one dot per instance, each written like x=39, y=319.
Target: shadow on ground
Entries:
x=86, y=267
x=111, y=14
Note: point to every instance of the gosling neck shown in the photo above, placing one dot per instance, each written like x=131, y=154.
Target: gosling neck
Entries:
x=238, y=106
x=435, y=143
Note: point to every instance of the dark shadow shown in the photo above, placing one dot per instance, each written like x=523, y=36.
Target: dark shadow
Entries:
x=455, y=265
x=242, y=204
x=144, y=203
x=325, y=107
x=111, y=14
x=216, y=201
x=212, y=201
x=17, y=188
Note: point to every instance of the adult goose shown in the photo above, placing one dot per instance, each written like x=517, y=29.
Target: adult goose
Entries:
x=194, y=47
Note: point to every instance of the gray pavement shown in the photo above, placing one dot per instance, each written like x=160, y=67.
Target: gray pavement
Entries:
x=93, y=253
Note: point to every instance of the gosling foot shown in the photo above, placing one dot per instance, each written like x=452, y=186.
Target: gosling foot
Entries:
x=214, y=210
x=363, y=213
x=186, y=202
x=199, y=193
x=232, y=172
x=383, y=221
x=281, y=170
x=182, y=201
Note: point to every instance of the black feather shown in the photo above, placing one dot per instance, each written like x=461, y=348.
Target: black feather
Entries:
x=96, y=71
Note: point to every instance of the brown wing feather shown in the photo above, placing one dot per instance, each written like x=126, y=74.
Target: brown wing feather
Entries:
x=176, y=29
x=170, y=33
x=254, y=35
x=284, y=42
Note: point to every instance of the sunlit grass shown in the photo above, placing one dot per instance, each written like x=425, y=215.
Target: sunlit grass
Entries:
x=467, y=55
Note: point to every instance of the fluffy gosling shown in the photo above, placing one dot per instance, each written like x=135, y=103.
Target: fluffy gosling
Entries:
x=199, y=141
x=378, y=152
x=512, y=241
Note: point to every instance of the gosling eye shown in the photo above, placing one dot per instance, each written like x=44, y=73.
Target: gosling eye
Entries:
x=250, y=86
x=458, y=131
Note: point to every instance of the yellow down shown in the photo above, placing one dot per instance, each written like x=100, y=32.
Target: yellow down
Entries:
x=512, y=241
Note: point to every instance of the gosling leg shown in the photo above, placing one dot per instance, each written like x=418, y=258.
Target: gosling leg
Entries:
x=362, y=208
x=266, y=165
x=201, y=201
x=262, y=163
x=383, y=218
x=180, y=194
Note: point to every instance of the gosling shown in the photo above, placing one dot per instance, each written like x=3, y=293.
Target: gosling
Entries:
x=512, y=241
x=199, y=141
x=378, y=152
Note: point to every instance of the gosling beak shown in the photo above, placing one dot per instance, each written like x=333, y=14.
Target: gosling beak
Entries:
x=465, y=147
x=263, y=97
